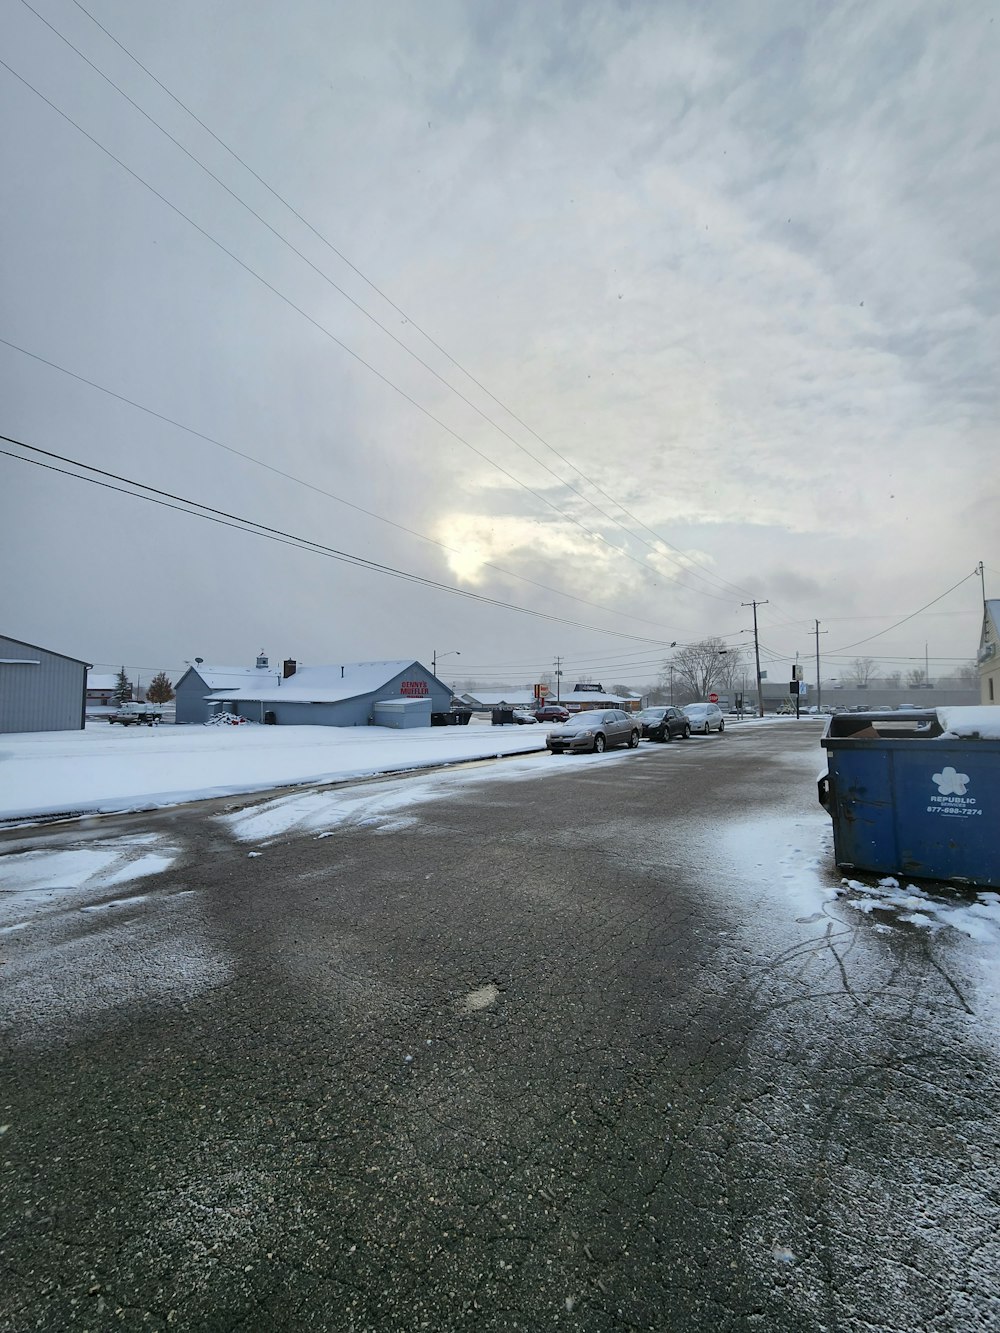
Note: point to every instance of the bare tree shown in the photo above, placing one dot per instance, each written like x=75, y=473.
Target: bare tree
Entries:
x=893, y=679
x=697, y=667
x=916, y=678
x=967, y=675
x=861, y=670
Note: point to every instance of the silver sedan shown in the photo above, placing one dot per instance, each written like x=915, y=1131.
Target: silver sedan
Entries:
x=594, y=731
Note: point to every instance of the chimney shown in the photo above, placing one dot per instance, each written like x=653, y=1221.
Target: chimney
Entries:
x=288, y=669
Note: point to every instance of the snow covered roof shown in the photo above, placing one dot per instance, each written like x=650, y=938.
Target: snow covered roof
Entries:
x=494, y=698
x=323, y=684
x=101, y=680
x=228, y=677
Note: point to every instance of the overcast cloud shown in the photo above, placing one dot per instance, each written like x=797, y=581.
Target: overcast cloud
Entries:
x=735, y=266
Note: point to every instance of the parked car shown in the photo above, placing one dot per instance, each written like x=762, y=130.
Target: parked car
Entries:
x=552, y=713
x=660, y=724
x=705, y=717
x=523, y=718
x=594, y=731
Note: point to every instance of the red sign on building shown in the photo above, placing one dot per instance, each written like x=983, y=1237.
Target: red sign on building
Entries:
x=414, y=689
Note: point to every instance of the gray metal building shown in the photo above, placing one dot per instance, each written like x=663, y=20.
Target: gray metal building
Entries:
x=40, y=690
x=356, y=694
x=201, y=683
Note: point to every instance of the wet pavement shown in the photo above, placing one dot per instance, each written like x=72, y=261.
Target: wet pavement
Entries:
x=587, y=1043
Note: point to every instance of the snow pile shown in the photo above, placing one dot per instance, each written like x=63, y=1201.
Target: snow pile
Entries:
x=976, y=915
x=981, y=723
x=228, y=720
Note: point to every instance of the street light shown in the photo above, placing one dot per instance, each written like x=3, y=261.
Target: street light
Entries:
x=724, y=652
x=452, y=652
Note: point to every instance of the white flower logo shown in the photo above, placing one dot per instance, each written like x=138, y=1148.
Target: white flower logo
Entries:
x=950, y=782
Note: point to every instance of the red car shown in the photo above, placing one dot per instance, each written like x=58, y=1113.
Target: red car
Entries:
x=552, y=713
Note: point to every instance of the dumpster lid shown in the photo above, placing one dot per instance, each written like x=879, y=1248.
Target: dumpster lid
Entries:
x=886, y=724
x=917, y=723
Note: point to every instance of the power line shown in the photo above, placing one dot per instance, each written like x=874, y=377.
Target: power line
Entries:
x=845, y=646
x=343, y=258
x=319, y=490
x=407, y=397
x=196, y=509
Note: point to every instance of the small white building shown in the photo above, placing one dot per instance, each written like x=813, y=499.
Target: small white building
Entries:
x=988, y=657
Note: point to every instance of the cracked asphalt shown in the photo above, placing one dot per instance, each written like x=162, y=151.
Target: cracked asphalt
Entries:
x=565, y=1051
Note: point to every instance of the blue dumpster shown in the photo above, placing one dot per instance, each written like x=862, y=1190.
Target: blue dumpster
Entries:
x=909, y=798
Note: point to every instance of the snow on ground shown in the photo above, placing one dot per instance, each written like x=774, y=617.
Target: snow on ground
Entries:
x=382, y=808
x=76, y=945
x=35, y=882
x=104, y=768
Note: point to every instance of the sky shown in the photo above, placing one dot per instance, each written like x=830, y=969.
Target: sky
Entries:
x=623, y=315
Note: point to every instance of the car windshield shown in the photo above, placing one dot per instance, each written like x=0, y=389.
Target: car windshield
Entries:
x=652, y=714
x=695, y=710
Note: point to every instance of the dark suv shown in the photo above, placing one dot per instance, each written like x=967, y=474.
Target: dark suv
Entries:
x=552, y=713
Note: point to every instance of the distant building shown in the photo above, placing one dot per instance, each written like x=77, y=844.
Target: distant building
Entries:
x=988, y=657
x=101, y=690
x=399, y=693
x=201, y=683
x=40, y=690
x=516, y=697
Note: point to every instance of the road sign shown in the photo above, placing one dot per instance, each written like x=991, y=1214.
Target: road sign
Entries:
x=713, y=698
x=540, y=692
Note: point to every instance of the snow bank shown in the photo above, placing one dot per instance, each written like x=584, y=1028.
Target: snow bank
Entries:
x=104, y=769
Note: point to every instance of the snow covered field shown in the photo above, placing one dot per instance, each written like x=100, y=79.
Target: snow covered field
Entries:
x=104, y=769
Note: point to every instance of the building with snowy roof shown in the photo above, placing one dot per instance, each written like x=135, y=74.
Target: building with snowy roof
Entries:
x=201, y=684
x=398, y=693
x=988, y=657
x=40, y=690
x=515, y=697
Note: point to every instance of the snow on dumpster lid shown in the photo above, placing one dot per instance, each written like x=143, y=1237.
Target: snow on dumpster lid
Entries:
x=981, y=723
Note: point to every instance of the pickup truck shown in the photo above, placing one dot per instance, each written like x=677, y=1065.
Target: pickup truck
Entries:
x=141, y=714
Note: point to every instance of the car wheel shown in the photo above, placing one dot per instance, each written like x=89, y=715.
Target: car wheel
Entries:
x=633, y=740
x=599, y=744
x=722, y=726
x=687, y=733
x=708, y=730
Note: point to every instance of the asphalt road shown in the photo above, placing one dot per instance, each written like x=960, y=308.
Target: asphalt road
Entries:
x=578, y=1046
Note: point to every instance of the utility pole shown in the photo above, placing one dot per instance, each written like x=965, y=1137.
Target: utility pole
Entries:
x=559, y=680
x=819, y=682
x=756, y=649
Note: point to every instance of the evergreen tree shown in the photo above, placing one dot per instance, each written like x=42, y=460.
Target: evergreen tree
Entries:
x=123, y=688
x=160, y=690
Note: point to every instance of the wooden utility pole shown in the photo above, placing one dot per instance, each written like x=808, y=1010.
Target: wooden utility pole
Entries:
x=819, y=683
x=756, y=650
